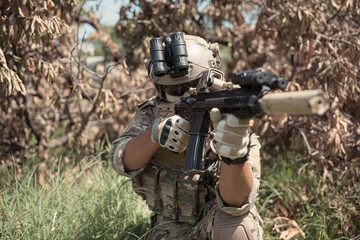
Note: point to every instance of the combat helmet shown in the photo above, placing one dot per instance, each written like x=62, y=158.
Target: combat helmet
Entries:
x=179, y=61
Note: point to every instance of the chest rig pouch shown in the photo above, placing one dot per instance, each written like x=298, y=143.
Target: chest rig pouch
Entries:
x=168, y=190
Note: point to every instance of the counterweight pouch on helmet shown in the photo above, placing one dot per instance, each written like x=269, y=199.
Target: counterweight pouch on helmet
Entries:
x=191, y=197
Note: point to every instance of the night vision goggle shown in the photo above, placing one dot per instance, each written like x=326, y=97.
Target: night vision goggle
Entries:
x=171, y=59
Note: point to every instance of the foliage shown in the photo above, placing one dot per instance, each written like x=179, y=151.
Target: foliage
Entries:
x=313, y=44
x=89, y=200
x=296, y=200
x=64, y=201
x=49, y=99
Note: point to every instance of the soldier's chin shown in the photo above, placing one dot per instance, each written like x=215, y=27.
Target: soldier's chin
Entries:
x=173, y=99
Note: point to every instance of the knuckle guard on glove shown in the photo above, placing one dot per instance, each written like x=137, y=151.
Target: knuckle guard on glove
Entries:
x=171, y=133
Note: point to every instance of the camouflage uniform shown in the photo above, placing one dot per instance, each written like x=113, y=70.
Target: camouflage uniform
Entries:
x=186, y=206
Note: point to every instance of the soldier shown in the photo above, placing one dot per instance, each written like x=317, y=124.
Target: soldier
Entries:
x=215, y=203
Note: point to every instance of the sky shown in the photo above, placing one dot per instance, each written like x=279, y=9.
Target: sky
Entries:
x=107, y=10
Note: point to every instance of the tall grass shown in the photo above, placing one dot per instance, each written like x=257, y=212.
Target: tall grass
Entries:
x=87, y=201
x=323, y=205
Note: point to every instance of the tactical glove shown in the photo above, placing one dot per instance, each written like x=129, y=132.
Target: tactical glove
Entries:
x=231, y=135
x=172, y=133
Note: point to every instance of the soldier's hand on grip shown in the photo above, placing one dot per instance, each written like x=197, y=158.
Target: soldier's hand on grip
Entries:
x=172, y=133
x=231, y=135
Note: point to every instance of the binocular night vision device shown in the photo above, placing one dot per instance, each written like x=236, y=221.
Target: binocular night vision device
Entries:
x=171, y=58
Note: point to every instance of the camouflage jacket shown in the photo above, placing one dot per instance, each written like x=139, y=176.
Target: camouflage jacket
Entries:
x=162, y=183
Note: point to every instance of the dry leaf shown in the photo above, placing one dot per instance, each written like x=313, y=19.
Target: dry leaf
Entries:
x=287, y=228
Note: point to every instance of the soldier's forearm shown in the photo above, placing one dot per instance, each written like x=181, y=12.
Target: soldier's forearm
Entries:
x=235, y=183
x=139, y=151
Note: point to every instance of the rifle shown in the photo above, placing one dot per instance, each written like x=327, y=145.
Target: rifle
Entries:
x=246, y=96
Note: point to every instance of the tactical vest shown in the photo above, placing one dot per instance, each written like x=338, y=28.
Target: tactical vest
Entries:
x=163, y=184
x=168, y=190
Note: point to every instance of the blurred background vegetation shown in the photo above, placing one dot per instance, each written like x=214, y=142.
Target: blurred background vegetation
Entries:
x=69, y=81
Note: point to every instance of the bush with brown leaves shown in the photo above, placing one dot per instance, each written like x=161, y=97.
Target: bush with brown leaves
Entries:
x=50, y=99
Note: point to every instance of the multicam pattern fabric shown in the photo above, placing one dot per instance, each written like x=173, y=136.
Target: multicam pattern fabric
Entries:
x=141, y=120
x=185, y=204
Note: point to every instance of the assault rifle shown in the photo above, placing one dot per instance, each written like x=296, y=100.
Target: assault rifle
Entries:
x=246, y=96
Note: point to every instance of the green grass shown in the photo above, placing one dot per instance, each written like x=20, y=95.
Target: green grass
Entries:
x=87, y=201
x=323, y=209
